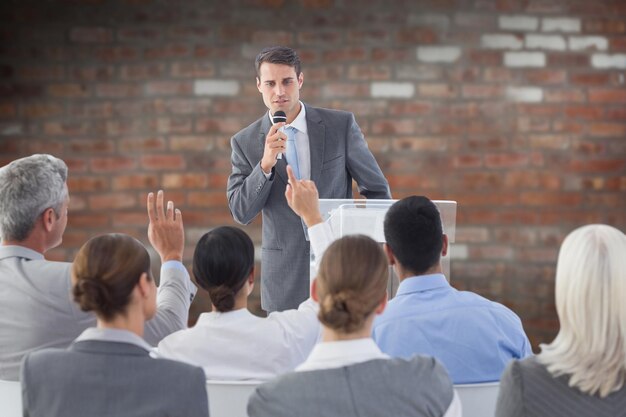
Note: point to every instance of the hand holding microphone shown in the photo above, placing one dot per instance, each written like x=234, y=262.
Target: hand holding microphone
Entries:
x=275, y=142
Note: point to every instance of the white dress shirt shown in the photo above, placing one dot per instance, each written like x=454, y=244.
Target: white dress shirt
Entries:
x=238, y=345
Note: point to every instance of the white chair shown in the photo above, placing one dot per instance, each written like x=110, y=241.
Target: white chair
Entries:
x=478, y=400
x=229, y=398
x=10, y=399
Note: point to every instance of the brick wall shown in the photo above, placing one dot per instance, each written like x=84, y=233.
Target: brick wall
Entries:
x=514, y=108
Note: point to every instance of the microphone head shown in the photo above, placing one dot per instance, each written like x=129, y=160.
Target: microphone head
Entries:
x=279, y=117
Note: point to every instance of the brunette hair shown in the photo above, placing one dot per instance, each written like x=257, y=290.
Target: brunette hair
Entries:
x=351, y=282
x=278, y=55
x=222, y=261
x=105, y=271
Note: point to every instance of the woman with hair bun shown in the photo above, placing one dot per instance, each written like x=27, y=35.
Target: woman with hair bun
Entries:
x=583, y=371
x=346, y=374
x=110, y=370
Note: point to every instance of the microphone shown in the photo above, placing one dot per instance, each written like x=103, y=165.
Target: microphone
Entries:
x=279, y=117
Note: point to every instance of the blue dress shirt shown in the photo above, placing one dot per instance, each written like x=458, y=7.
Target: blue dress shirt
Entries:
x=473, y=337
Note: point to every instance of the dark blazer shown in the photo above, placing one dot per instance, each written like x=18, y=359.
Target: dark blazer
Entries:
x=418, y=387
x=97, y=378
x=339, y=153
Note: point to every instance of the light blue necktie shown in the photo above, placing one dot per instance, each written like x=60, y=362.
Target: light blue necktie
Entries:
x=292, y=152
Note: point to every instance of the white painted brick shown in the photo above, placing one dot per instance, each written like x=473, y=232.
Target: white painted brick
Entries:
x=608, y=61
x=560, y=24
x=8, y=129
x=392, y=90
x=216, y=88
x=524, y=59
x=434, y=20
x=551, y=42
x=524, y=94
x=577, y=43
x=518, y=22
x=458, y=251
x=499, y=41
x=438, y=53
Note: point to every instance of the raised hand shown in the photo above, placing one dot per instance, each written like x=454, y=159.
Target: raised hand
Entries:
x=274, y=145
x=303, y=198
x=165, y=231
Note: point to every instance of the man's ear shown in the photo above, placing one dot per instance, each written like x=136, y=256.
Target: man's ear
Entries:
x=258, y=84
x=444, y=247
x=390, y=257
x=300, y=80
x=48, y=218
x=314, y=291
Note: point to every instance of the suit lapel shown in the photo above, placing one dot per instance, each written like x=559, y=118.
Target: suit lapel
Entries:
x=281, y=165
x=317, y=138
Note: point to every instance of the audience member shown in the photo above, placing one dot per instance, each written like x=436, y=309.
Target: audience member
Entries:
x=582, y=372
x=346, y=374
x=230, y=342
x=473, y=337
x=35, y=306
x=109, y=369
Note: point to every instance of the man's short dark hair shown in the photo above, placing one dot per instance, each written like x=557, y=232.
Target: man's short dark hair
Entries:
x=278, y=55
x=414, y=233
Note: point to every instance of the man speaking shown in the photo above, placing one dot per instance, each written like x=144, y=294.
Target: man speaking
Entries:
x=325, y=146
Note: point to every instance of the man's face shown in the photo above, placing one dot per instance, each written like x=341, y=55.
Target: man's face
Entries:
x=280, y=87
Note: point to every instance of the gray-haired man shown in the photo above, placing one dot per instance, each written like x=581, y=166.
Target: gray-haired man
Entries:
x=36, y=309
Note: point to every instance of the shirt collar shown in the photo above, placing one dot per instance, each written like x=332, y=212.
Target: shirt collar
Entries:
x=327, y=355
x=205, y=318
x=15, y=251
x=299, y=123
x=421, y=283
x=114, y=335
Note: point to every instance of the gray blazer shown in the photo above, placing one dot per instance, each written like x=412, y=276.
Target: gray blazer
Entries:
x=418, y=387
x=527, y=389
x=100, y=378
x=339, y=153
x=37, y=311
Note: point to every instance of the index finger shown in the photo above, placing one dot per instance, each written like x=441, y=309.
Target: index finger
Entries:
x=151, y=212
x=159, y=205
x=274, y=128
x=293, y=181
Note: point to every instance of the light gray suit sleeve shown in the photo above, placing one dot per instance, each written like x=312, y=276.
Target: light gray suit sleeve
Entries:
x=173, y=300
x=510, y=398
x=248, y=188
x=363, y=166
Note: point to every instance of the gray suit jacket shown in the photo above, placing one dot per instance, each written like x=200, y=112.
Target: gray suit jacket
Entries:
x=37, y=311
x=100, y=378
x=339, y=153
x=418, y=387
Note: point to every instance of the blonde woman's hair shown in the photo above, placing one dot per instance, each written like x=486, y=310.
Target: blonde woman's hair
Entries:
x=351, y=282
x=590, y=287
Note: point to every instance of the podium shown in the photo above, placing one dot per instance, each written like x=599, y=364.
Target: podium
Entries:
x=366, y=217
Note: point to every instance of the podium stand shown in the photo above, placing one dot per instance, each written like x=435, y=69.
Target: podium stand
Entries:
x=366, y=217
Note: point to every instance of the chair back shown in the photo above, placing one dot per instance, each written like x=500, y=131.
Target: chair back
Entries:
x=10, y=399
x=229, y=398
x=478, y=400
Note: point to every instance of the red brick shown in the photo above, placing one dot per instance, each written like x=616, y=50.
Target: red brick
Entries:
x=604, y=25
x=207, y=199
x=467, y=161
x=585, y=112
x=40, y=110
x=162, y=162
x=112, y=164
x=564, y=96
x=369, y=72
x=91, y=35
x=368, y=36
x=171, y=125
x=91, y=73
x=413, y=182
x=190, y=143
x=616, y=113
x=416, y=36
x=91, y=146
x=393, y=127
x=98, y=221
x=72, y=128
x=409, y=108
x=549, y=141
x=7, y=110
x=196, y=106
x=195, y=69
x=337, y=89
x=68, y=90
x=319, y=37
x=607, y=95
x=590, y=78
x=139, y=218
x=185, y=181
x=568, y=60
x=607, y=129
x=135, y=181
x=481, y=91
x=43, y=146
x=168, y=88
x=498, y=252
x=497, y=75
x=41, y=73
x=116, y=53
x=217, y=125
x=164, y=52
x=437, y=90
x=132, y=34
x=599, y=165
x=539, y=198
x=506, y=160
x=392, y=54
x=216, y=52
x=546, y=76
x=618, y=43
x=137, y=72
x=141, y=144
x=189, y=31
x=486, y=58
x=77, y=184
x=112, y=201
x=272, y=37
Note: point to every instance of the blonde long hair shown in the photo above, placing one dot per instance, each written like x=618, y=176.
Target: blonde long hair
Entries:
x=590, y=287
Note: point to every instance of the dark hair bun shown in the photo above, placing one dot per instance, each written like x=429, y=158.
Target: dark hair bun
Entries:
x=222, y=297
x=92, y=294
x=344, y=311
